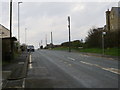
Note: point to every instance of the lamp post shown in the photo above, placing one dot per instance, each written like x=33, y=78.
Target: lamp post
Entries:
x=26, y=36
x=18, y=23
x=103, y=46
x=46, y=39
x=69, y=34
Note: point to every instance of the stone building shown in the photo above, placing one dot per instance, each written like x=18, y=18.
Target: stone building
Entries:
x=113, y=19
x=4, y=32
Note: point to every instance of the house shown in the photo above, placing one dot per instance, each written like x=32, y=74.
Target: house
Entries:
x=4, y=32
x=113, y=19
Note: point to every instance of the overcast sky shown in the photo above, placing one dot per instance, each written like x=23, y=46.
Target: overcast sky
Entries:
x=40, y=18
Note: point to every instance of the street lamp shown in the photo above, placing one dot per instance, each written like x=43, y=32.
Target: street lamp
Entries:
x=46, y=39
x=18, y=23
x=25, y=36
x=103, y=46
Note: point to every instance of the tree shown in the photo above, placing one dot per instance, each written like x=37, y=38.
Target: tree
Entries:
x=74, y=44
x=94, y=37
x=23, y=47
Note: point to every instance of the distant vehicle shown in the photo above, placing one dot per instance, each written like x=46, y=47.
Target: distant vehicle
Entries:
x=30, y=48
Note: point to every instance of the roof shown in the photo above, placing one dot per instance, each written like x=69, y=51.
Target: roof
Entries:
x=116, y=10
x=13, y=38
x=4, y=27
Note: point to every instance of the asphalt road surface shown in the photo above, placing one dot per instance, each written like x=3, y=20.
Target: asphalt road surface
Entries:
x=60, y=69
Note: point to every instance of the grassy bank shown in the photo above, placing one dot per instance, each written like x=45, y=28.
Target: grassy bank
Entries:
x=108, y=51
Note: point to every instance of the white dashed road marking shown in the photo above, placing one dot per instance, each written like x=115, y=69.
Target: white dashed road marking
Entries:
x=70, y=64
x=71, y=58
x=20, y=62
x=65, y=62
x=23, y=85
x=30, y=59
x=30, y=65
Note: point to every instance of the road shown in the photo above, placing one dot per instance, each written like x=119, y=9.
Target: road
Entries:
x=60, y=69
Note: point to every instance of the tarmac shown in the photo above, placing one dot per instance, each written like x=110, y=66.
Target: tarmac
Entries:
x=14, y=73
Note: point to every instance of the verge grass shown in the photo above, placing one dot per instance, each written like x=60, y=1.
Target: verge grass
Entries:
x=108, y=51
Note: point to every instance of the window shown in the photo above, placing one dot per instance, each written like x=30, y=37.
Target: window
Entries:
x=3, y=33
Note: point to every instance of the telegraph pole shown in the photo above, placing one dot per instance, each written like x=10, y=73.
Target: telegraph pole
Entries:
x=11, y=46
x=51, y=41
x=10, y=18
x=69, y=34
x=51, y=38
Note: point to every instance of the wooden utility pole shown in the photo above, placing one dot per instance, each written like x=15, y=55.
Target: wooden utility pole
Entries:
x=51, y=38
x=10, y=18
x=11, y=46
x=69, y=34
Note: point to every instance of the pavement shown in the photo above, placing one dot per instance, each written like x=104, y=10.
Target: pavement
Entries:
x=61, y=69
x=14, y=73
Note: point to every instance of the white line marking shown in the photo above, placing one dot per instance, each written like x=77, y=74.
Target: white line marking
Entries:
x=113, y=70
x=5, y=84
x=86, y=63
x=30, y=65
x=20, y=62
x=1, y=84
x=30, y=59
x=70, y=64
x=23, y=85
x=71, y=58
x=65, y=62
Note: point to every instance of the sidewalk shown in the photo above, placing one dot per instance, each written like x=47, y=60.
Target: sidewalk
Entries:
x=16, y=70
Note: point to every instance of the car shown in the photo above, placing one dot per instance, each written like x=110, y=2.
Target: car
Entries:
x=30, y=48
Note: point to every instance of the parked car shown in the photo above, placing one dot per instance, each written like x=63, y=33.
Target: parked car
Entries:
x=30, y=48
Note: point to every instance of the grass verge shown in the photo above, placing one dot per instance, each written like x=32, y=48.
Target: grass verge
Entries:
x=108, y=51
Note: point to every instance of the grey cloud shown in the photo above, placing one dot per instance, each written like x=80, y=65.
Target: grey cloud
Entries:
x=50, y=9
